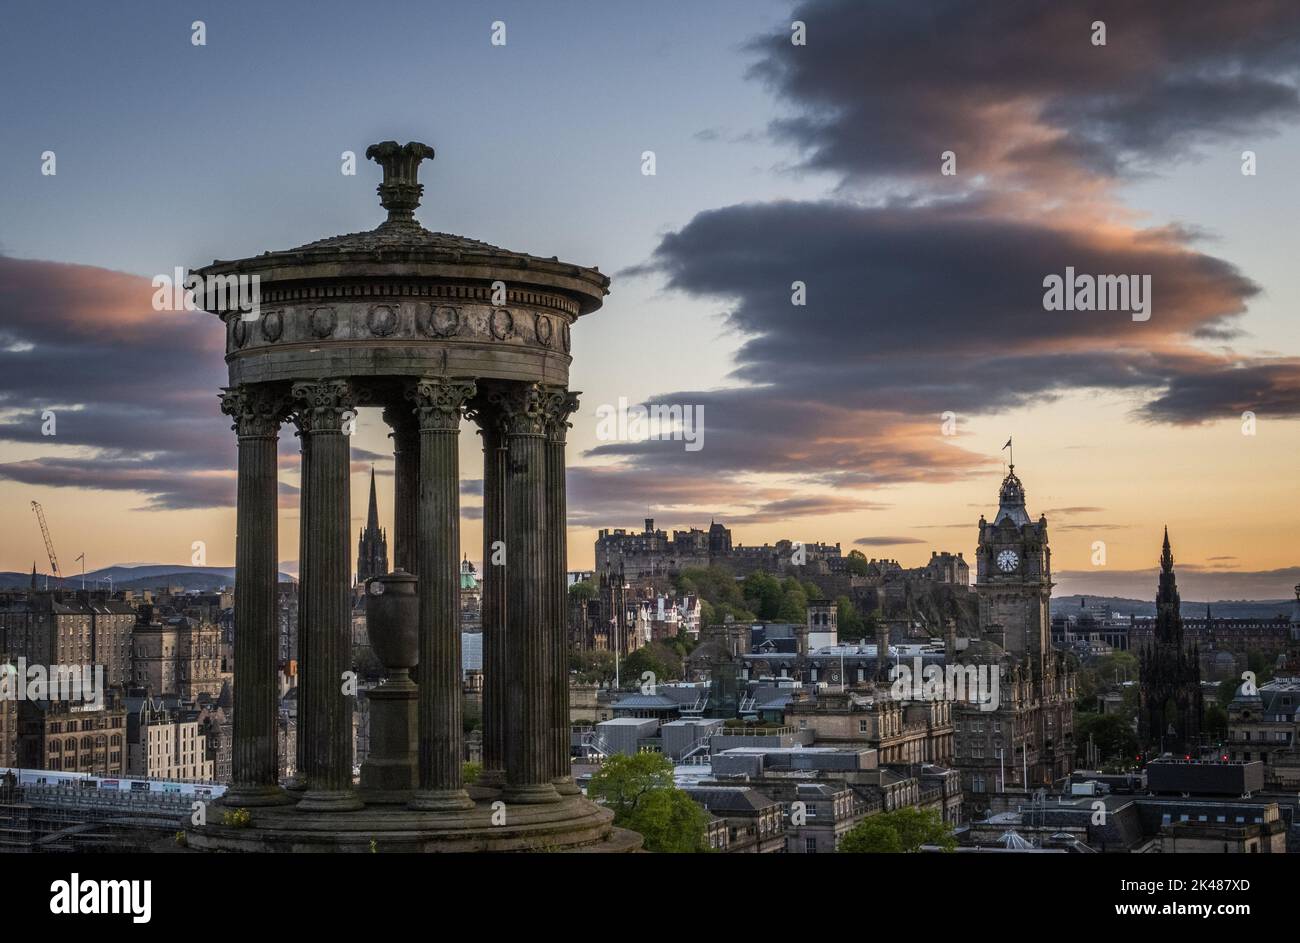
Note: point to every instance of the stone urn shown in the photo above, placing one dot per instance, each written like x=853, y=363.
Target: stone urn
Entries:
x=392, y=622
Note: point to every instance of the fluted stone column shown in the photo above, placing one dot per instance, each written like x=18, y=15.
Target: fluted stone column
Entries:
x=495, y=647
x=326, y=407
x=257, y=412
x=559, y=405
x=530, y=684
x=406, y=484
x=438, y=407
x=298, y=782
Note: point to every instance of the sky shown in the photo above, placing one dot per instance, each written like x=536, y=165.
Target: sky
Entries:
x=873, y=415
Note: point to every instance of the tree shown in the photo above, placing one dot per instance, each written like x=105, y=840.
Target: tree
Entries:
x=670, y=822
x=851, y=625
x=794, y=606
x=901, y=831
x=1110, y=733
x=763, y=594
x=592, y=667
x=857, y=563
x=583, y=590
x=657, y=658
x=640, y=791
x=1228, y=691
x=1216, y=722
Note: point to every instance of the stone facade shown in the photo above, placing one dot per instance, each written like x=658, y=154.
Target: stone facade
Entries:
x=55, y=735
x=174, y=656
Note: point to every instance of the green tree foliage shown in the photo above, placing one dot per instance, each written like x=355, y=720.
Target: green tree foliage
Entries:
x=583, y=590
x=1111, y=734
x=1216, y=722
x=1099, y=675
x=857, y=563
x=640, y=791
x=592, y=667
x=1228, y=691
x=852, y=626
x=763, y=595
x=658, y=658
x=719, y=593
x=899, y=832
x=1262, y=664
x=794, y=607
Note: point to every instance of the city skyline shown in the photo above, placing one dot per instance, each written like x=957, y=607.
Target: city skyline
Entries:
x=823, y=422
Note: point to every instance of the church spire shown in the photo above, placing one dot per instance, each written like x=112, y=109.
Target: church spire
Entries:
x=372, y=548
x=1169, y=620
x=372, y=518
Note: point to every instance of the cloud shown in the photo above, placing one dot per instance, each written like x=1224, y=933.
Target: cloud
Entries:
x=924, y=294
x=599, y=495
x=886, y=541
x=1020, y=92
x=133, y=391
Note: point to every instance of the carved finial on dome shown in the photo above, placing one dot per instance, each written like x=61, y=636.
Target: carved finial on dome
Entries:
x=401, y=190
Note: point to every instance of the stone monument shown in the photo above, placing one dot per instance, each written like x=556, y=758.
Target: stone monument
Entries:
x=433, y=328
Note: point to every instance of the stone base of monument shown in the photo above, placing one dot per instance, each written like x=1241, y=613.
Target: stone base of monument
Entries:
x=574, y=824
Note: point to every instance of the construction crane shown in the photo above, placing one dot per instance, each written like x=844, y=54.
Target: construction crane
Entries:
x=49, y=544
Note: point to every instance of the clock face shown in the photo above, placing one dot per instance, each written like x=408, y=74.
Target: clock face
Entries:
x=1007, y=561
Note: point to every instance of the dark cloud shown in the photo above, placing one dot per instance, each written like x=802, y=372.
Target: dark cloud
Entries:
x=1227, y=388
x=886, y=541
x=1018, y=90
x=605, y=495
x=133, y=391
x=925, y=302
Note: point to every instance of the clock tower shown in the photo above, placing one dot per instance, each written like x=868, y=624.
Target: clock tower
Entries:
x=1013, y=578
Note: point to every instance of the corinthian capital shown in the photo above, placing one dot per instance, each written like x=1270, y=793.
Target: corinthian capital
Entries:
x=324, y=405
x=558, y=404
x=256, y=410
x=439, y=402
x=520, y=408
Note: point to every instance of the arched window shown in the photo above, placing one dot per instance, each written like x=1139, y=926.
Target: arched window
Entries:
x=87, y=743
x=70, y=745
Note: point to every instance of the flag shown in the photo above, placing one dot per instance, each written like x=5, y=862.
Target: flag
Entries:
x=1007, y=446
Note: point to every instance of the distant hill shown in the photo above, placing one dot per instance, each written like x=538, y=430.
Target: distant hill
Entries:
x=1222, y=608
x=147, y=576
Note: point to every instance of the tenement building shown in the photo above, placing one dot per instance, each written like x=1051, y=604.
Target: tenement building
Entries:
x=175, y=656
x=63, y=627
x=72, y=738
x=433, y=329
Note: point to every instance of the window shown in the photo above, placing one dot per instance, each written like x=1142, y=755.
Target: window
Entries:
x=810, y=846
x=862, y=726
